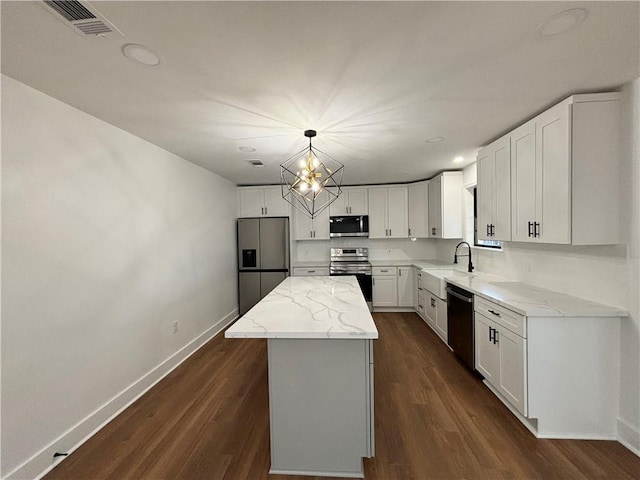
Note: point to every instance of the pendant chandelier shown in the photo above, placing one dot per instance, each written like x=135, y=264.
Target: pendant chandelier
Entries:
x=307, y=176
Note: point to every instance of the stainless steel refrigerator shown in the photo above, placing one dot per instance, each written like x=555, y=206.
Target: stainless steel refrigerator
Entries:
x=263, y=258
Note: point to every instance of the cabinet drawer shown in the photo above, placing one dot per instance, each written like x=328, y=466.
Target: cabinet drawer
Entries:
x=381, y=271
x=502, y=316
x=310, y=271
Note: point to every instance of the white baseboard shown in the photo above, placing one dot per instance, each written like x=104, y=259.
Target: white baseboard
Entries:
x=629, y=436
x=42, y=462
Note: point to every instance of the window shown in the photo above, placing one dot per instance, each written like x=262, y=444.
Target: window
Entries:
x=476, y=242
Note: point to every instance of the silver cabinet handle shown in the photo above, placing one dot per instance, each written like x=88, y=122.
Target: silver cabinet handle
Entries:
x=384, y=271
x=433, y=302
x=265, y=211
x=311, y=271
x=399, y=272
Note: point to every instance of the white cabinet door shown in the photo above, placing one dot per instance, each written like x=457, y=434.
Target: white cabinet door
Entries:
x=485, y=192
x=308, y=229
x=418, y=210
x=487, y=352
x=339, y=205
x=512, y=368
x=397, y=212
x=523, y=182
x=385, y=291
x=416, y=285
x=553, y=176
x=358, y=201
x=321, y=226
x=251, y=202
x=435, y=207
x=431, y=309
x=378, y=213
x=405, y=287
x=494, y=191
x=274, y=204
x=442, y=326
x=303, y=225
x=502, y=191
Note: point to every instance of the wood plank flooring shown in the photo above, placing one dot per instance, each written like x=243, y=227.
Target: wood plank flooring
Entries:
x=434, y=420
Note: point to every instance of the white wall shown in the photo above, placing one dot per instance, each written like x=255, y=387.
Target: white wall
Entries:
x=107, y=240
x=607, y=274
x=629, y=415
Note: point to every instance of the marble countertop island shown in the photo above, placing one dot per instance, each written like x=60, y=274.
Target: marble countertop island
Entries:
x=309, y=307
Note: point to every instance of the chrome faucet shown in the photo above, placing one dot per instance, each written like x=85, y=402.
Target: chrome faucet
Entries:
x=455, y=256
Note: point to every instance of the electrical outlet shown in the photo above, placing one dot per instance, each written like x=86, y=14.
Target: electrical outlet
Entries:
x=174, y=326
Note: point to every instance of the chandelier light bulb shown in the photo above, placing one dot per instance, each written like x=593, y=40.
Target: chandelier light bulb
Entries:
x=303, y=187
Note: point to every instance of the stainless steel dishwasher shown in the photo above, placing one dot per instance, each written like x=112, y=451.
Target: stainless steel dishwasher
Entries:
x=460, y=323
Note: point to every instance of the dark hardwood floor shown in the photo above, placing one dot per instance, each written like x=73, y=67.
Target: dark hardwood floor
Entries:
x=434, y=420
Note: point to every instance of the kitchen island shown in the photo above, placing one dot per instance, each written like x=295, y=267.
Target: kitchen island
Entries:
x=320, y=336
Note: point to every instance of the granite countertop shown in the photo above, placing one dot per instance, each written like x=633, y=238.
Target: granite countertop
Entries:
x=311, y=263
x=309, y=307
x=532, y=301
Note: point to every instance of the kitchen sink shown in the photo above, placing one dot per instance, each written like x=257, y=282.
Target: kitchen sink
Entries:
x=434, y=280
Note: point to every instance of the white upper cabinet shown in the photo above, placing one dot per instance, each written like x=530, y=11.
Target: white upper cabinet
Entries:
x=445, y=205
x=307, y=229
x=494, y=191
x=352, y=201
x=565, y=173
x=262, y=202
x=388, y=214
x=419, y=210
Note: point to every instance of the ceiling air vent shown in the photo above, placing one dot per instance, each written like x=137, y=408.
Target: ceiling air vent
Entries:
x=255, y=163
x=81, y=17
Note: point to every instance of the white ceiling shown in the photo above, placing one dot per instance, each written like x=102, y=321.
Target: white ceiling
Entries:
x=376, y=79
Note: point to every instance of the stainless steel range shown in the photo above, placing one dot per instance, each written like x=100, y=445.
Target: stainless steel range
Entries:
x=354, y=261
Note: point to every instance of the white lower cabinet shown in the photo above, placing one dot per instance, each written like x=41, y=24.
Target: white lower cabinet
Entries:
x=501, y=359
x=442, y=323
x=436, y=314
x=501, y=351
x=405, y=287
x=385, y=290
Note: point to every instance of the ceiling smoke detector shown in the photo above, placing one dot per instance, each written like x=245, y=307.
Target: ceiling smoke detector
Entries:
x=435, y=140
x=246, y=149
x=140, y=54
x=562, y=22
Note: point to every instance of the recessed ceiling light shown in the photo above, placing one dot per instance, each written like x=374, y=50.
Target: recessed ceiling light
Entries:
x=246, y=149
x=562, y=22
x=140, y=54
x=458, y=159
x=435, y=139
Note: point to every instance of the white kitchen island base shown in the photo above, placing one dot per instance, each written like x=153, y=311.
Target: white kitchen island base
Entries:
x=320, y=336
x=321, y=406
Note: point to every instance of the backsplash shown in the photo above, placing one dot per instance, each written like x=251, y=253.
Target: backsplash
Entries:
x=595, y=273
x=379, y=249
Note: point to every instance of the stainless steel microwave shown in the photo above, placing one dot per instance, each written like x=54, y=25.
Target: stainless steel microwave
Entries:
x=349, y=226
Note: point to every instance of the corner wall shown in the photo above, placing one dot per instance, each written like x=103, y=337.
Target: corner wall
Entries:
x=107, y=240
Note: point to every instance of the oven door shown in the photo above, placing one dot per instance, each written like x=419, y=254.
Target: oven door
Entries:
x=366, y=285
